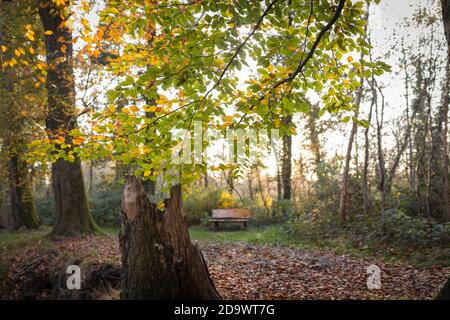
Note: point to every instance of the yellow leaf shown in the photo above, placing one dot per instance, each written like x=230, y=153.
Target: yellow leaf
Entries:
x=12, y=62
x=97, y=137
x=78, y=141
x=17, y=52
x=161, y=205
x=48, y=32
x=350, y=59
x=4, y=49
x=126, y=110
x=270, y=68
x=71, y=158
x=134, y=109
x=112, y=108
x=30, y=37
x=227, y=118
x=31, y=50
x=147, y=173
x=150, y=108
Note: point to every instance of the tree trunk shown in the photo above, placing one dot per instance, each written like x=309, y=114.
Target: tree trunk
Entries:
x=345, y=174
x=380, y=152
x=365, y=178
x=250, y=184
x=348, y=156
x=71, y=205
x=206, y=180
x=23, y=210
x=72, y=212
x=445, y=292
x=158, y=258
x=286, y=162
x=445, y=158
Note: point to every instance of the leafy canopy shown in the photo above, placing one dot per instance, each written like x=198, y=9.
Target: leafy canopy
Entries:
x=230, y=64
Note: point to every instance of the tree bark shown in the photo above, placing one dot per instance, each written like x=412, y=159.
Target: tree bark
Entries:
x=365, y=177
x=380, y=151
x=158, y=258
x=445, y=158
x=250, y=184
x=286, y=162
x=345, y=174
x=71, y=205
x=444, y=294
x=23, y=210
x=348, y=156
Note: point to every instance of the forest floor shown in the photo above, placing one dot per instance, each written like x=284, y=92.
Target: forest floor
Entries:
x=251, y=264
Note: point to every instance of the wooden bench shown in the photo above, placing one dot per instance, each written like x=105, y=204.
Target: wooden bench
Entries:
x=241, y=216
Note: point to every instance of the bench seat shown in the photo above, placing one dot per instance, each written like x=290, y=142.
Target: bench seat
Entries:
x=241, y=216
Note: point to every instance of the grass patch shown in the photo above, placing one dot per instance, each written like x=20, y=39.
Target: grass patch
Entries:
x=110, y=230
x=268, y=236
x=11, y=240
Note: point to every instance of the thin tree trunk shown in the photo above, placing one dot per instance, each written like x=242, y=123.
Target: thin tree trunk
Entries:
x=409, y=120
x=445, y=158
x=286, y=159
x=261, y=190
x=159, y=261
x=279, y=175
x=365, y=188
x=381, y=161
x=91, y=177
x=71, y=205
x=286, y=166
x=345, y=174
x=429, y=129
x=348, y=156
x=206, y=180
x=250, y=184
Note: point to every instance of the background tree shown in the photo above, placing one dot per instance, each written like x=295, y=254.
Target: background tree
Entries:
x=71, y=205
x=20, y=107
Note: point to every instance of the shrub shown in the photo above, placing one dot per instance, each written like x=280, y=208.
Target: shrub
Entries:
x=199, y=203
x=226, y=200
x=395, y=228
x=106, y=206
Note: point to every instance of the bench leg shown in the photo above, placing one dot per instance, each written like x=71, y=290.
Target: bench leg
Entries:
x=216, y=225
x=245, y=224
